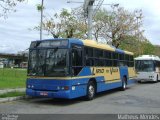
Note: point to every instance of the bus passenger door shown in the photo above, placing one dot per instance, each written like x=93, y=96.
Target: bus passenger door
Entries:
x=76, y=59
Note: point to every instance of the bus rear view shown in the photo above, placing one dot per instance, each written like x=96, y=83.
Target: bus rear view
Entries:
x=148, y=68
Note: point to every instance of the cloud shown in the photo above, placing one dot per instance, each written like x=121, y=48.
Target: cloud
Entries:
x=7, y=49
x=15, y=34
x=151, y=15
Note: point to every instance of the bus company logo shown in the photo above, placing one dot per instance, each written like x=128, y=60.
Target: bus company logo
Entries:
x=9, y=117
x=99, y=70
x=113, y=70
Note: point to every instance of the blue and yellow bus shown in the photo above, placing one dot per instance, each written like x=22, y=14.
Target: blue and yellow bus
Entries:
x=71, y=68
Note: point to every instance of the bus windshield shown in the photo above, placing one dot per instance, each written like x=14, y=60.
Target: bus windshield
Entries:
x=144, y=65
x=48, y=62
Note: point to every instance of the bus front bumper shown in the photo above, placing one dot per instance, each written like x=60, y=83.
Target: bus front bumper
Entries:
x=49, y=94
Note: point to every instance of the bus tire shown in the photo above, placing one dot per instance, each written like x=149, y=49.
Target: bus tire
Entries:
x=124, y=83
x=156, y=79
x=91, y=90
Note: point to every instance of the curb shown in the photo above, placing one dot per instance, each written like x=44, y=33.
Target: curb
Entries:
x=12, y=90
x=9, y=99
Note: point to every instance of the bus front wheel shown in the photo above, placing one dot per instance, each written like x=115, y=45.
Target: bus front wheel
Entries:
x=91, y=90
x=156, y=79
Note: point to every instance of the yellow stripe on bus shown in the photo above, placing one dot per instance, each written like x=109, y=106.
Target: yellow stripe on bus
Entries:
x=92, y=43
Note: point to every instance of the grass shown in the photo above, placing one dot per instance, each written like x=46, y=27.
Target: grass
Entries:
x=12, y=94
x=12, y=78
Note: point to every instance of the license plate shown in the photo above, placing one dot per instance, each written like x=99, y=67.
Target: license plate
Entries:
x=44, y=93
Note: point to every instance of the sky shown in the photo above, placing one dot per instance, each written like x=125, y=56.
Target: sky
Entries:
x=16, y=33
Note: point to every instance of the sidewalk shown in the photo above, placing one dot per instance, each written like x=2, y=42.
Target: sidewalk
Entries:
x=8, y=99
x=3, y=91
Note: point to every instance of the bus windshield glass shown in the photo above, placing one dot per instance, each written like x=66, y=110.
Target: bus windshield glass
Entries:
x=48, y=62
x=144, y=65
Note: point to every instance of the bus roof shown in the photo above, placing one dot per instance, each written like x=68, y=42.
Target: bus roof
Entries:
x=92, y=43
x=147, y=57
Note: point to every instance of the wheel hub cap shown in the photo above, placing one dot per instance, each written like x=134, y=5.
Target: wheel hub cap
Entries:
x=91, y=90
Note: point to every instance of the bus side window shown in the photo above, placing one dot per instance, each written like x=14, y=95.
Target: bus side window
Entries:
x=131, y=58
x=89, y=59
x=77, y=57
x=77, y=60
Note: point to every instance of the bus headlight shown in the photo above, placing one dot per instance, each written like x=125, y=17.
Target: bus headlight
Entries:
x=63, y=88
x=151, y=76
x=58, y=88
x=73, y=87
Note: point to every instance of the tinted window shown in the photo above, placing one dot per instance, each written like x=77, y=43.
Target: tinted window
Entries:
x=115, y=63
x=89, y=62
x=131, y=58
x=108, y=63
x=127, y=57
x=76, y=57
x=99, y=62
x=89, y=51
x=108, y=54
x=121, y=56
x=98, y=53
x=115, y=55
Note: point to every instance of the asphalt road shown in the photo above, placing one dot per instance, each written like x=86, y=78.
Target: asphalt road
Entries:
x=138, y=98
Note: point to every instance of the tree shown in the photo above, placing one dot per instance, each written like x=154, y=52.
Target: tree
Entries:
x=8, y=5
x=65, y=24
x=114, y=25
x=157, y=50
x=148, y=48
x=118, y=26
x=131, y=43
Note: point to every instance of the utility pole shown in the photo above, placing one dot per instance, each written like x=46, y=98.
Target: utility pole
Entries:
x=138, y=18
x=139, y=49
x=89, y=12
x=88, y=8
x=41, y=24
x=90, y=15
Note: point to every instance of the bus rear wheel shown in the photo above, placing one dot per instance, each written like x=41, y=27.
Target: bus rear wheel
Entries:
x=124, y=84
x=91, y=90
